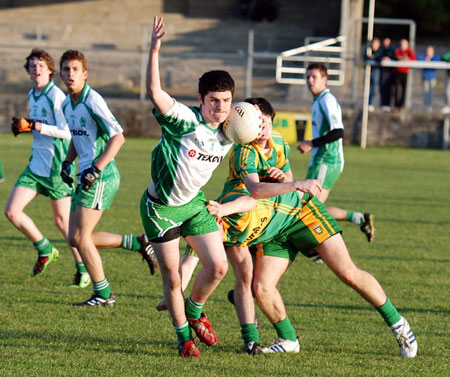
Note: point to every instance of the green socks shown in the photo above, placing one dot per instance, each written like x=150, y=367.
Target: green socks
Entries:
x=285, y=330
x=183, y=332
x=102, y=289
x=193, y=309
x=249, y=333
x=389, y=313
x=130, y=242
x=44, y=247
x=355, y=217
x=81, y=268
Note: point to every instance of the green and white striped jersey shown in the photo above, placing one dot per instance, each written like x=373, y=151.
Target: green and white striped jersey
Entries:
x=92, y=125
x=51, y=144
x=187, y=154
x=327, y=116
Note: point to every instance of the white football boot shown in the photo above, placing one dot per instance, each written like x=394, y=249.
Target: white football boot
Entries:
x=405, y=338
x=282, y=345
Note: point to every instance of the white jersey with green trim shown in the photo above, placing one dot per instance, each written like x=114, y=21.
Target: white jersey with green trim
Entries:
x=327, y=116
x=187, y=154
x=51, y=143
x=92, y=124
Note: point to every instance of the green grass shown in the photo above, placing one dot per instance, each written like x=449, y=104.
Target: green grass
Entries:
x=41, y=334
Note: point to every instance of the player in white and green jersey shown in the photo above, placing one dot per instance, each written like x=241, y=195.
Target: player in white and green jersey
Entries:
x=191, y=147
x=96, y=139
x=51, y=138
x=327, y=156
x=259, y=169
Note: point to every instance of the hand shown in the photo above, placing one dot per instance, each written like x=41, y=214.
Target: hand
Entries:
x=89, y=176
x=65, y=173
x=276, y=174
x=157, y=34
x=214, y=208
x=310, y=186
x=304, y=146
x=21, y=125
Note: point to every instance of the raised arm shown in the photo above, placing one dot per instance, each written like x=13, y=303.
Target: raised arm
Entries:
x=162, y=100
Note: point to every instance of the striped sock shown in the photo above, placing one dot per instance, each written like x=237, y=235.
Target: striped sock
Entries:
x=130, y=242
x=183, y=332
x=44, y=247
x=193, y=309
x=102, y=289
x=81, y=268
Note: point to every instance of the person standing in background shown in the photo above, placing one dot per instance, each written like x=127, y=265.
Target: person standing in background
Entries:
x=404, y=52
x=387, y=53
x=428, y=77
x=374, y=60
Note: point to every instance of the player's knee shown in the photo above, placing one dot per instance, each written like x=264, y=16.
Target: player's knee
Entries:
x=349, y=277
x=261, y=289
x=59, y=222
x=218, y=270
x=74, y=239
x=13, y=215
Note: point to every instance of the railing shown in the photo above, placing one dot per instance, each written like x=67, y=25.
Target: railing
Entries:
x=291, y=65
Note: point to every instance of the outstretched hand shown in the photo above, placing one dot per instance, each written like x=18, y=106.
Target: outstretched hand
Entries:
x=157, y=34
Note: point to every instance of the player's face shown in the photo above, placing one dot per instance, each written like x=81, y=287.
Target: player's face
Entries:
x=316, y=82
x=73, y=75
x=216, y=107
x=39, y=72
x=266, y=130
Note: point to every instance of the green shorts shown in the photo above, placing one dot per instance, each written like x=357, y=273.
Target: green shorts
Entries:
x=327, y=174
x=101, y=195
x=52, y=186
x=314, y=227
x=164, y=223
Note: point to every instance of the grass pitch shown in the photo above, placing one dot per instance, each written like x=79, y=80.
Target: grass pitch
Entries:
x=407, y=190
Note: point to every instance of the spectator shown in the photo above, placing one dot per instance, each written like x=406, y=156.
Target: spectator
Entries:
x=404, y=52
x=446, y=108
x=428, y=77
x=386, y=74
x=374, y=59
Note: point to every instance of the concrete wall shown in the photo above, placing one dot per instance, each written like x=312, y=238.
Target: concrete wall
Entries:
x=405, y=129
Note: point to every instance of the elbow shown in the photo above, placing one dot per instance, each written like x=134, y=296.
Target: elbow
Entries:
x=257, y=195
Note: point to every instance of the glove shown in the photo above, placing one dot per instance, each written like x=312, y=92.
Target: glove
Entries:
x=89, y=176
x=21, y=125
x=65, y=173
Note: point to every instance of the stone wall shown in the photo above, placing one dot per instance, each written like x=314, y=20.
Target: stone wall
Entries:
x=405, y=129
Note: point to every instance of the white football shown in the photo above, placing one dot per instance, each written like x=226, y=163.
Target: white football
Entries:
x=243, y=124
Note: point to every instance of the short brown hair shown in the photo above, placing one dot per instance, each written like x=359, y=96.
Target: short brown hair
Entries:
x=323, y=70
x=73, y=55
x=41, y=55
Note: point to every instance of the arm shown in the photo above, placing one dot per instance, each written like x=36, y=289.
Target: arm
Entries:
x=162, y=100
x=71, y=153
x=241, y=204
x=261, y=190
x=111, y=150
x=52, y=131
